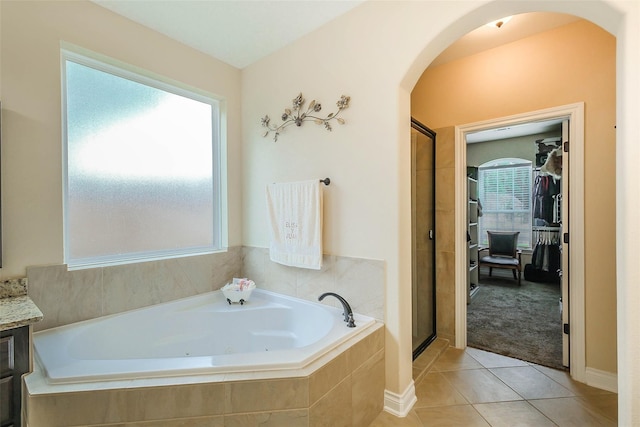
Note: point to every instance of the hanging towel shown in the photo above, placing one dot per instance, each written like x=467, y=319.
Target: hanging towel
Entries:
x=295, y=223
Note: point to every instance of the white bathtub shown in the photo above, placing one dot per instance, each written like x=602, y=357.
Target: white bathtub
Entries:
x=193, y=336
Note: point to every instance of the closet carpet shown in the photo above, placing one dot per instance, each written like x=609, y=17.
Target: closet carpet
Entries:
x=523, y=322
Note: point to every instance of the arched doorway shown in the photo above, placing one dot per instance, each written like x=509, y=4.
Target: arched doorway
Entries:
x=517, y=65
x=610, y=19
x=520, y=73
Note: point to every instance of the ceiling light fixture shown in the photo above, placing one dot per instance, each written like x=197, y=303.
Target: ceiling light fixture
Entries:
x=499, y=22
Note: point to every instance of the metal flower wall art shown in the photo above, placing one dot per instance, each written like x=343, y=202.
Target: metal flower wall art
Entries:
x=297, y=115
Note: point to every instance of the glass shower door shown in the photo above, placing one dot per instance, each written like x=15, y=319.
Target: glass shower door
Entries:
x=423, y=231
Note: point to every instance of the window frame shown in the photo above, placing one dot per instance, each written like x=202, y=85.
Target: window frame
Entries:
x=219, y=146
x=507, y=163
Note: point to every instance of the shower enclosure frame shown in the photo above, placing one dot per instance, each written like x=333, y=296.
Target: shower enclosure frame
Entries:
x=422, y=344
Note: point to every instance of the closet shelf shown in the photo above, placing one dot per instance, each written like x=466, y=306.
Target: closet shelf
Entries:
x=472, y=236
x=473, y=290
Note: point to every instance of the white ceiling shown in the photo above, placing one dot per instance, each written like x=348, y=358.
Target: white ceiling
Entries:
x=240, y=32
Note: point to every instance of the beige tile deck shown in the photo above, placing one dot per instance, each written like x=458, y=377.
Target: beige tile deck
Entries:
x=477, y=388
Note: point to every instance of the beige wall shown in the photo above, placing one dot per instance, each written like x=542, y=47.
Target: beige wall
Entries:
x=522, y=147
x=31, y=34
x=376, y=54
x=550, y=69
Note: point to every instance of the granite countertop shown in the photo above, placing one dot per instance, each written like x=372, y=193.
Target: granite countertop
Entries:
x=16, y=308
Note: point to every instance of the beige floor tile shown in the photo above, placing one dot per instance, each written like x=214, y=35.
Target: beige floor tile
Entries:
x=295, y=418
x=435, y=390
x=429, y=356
x=497, y=386
x=416, y=373
x=531, y=383
x=217, y=421
x=385, y=419
x=509, y=414
x=454, y=359
x=606, y=405
x=480, y=386
x=451, y=416
x=569, y=412
x=564, y=378
x=493, y=360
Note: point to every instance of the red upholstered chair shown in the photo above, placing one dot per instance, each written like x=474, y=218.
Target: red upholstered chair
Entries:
x=503, y=253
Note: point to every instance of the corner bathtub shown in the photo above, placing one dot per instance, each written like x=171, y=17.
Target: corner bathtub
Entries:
x=194, y=336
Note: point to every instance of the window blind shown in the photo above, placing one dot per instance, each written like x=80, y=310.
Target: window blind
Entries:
x=505, y=194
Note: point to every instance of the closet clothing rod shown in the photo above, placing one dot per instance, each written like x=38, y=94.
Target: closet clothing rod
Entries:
x=544, y=228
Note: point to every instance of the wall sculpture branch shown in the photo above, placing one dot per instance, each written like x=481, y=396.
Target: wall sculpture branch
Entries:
x=298, y=115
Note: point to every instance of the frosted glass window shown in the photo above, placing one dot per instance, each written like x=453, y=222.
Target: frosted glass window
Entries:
x=142, y=167
x=505, y=193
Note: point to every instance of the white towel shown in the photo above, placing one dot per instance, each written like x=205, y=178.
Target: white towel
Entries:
x=295, y=223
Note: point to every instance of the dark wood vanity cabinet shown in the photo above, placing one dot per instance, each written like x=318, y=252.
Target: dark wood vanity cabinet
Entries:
x=14, y=362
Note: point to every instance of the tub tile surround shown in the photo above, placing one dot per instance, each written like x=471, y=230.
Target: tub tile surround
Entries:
x=103, y=291
x=359, y=281
x=352, y=385
x=344, y=388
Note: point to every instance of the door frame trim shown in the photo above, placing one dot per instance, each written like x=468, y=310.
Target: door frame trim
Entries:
x=575, y=114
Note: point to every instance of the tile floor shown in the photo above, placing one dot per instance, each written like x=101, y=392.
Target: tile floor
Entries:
x=475, y=388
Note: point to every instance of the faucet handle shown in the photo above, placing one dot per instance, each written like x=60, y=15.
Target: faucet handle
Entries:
x=350, y=322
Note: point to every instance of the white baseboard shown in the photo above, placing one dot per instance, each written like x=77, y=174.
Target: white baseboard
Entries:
x=400, y=405
x=601, y=379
